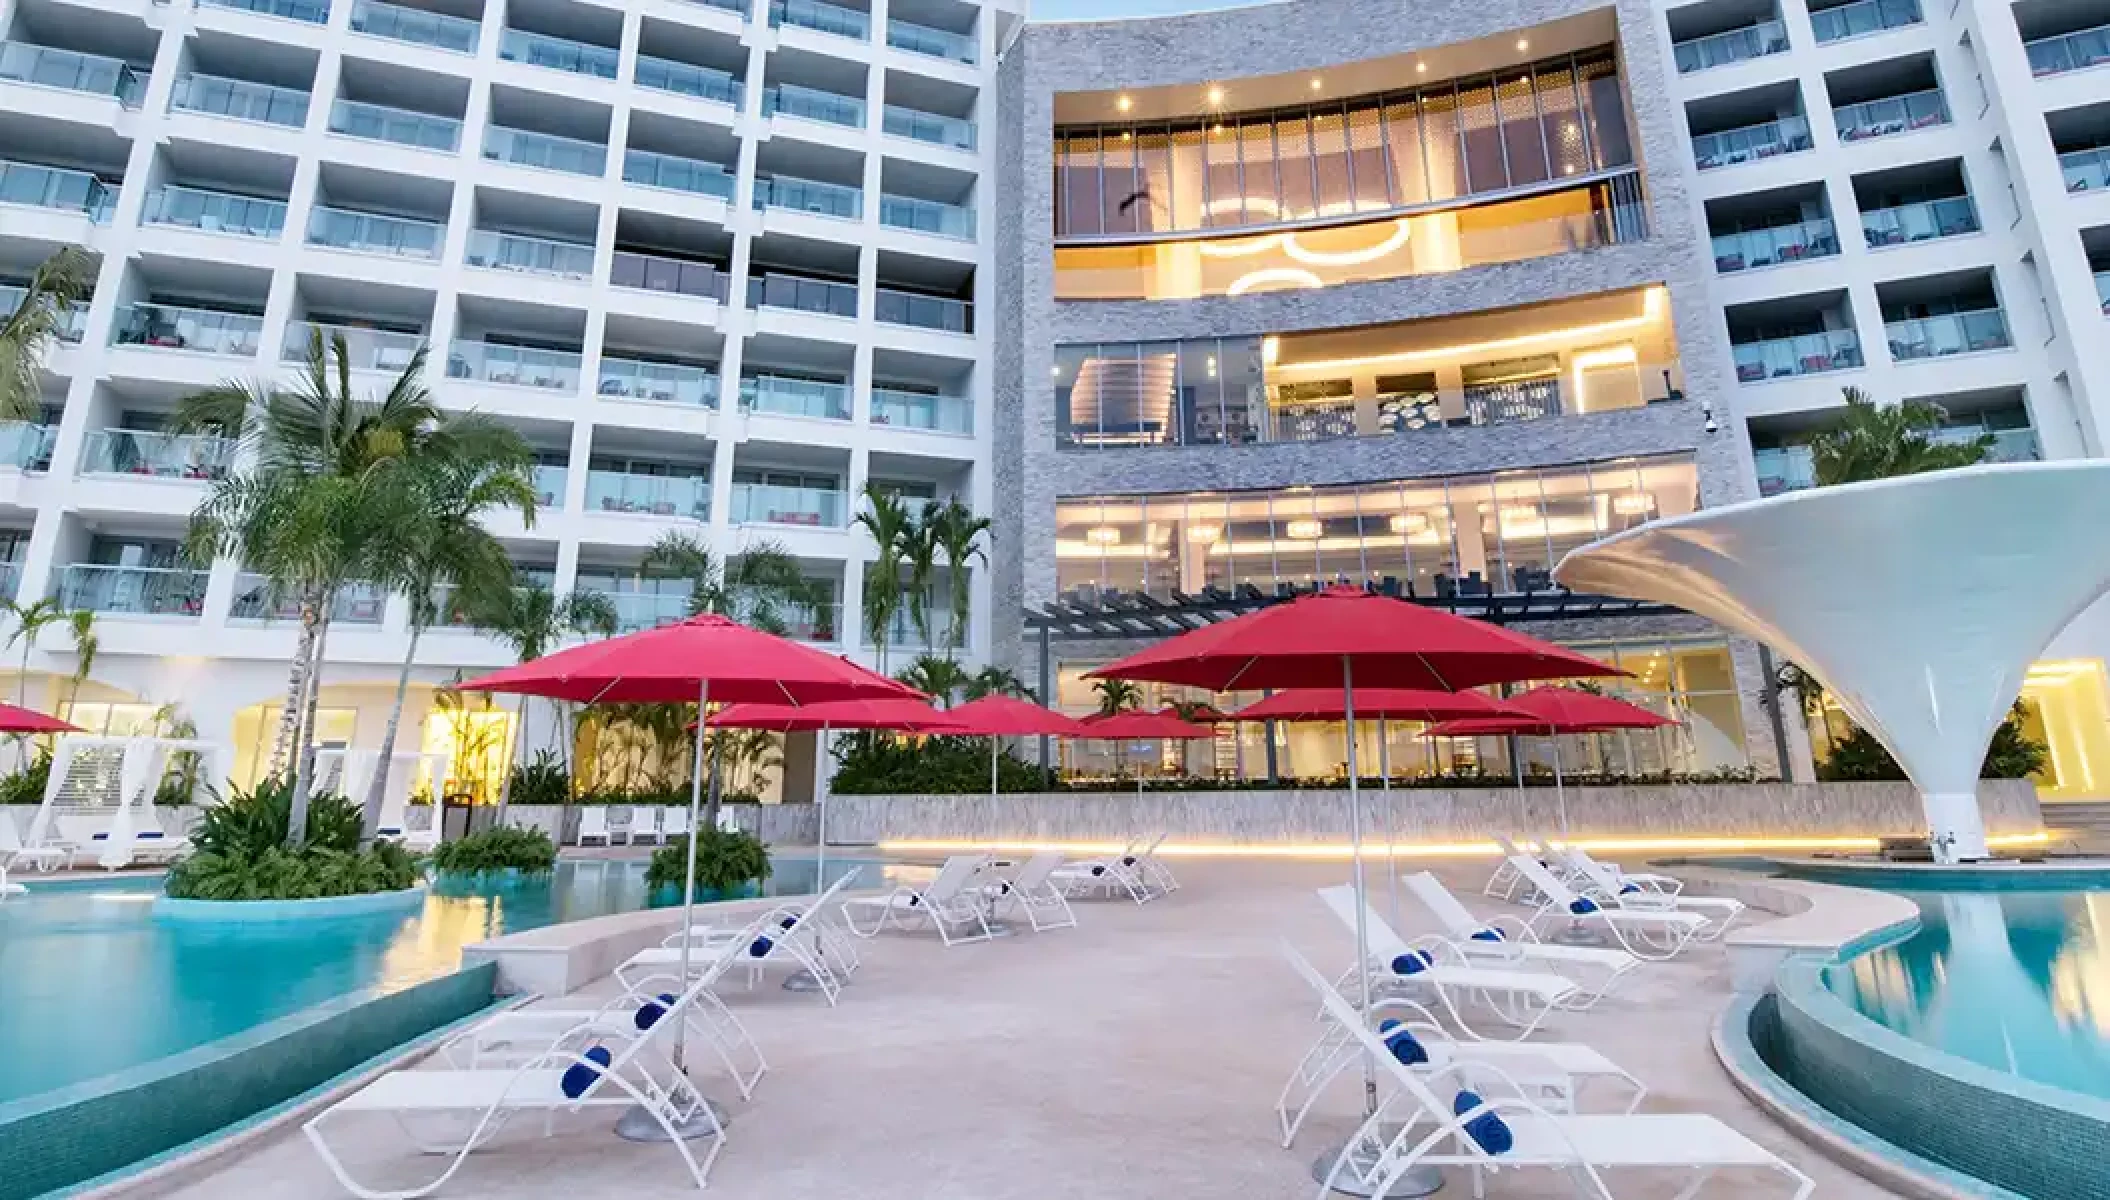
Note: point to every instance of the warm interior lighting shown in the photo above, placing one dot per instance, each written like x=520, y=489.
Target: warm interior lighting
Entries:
x=1376, y=846
x=1523, y=44
x=1652, y=304
x=1127, y=136
x=1633, y=504
x=1270, y=349
x=1205, y=535
x=1212, y=366
x=1606, y=356
x=1411, y=522
x=1273, y=277
x=1421, y=68
x=1216, y=95
x=1519, y=513
x=1103, y=535
x=1124, y=104
x=1316, y=85
x=1305, y=529
x=1402, y=231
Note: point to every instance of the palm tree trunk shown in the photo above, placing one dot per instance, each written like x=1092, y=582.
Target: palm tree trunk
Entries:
x=304, y=754
x=505, y=780
x=296, y=682
x=22, y=680
x=377, y=789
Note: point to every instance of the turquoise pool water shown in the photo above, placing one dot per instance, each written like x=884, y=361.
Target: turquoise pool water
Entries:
x=91, y=983
x=2018, y=981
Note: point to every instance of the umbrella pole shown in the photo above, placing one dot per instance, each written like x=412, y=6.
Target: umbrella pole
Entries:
x=1362, y=884
x=820, y=791
x=993, y=744
x=1560, y=790
x=1384, y=773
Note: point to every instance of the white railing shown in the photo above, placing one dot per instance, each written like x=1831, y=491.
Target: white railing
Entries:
x=189, y=456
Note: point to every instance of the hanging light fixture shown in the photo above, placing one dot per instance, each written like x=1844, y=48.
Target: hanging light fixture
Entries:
x=1520, y=513
x=1306, y=529
x=1103, y=535
x=1634, y=504
x=1203, y=534
x=1410, y=523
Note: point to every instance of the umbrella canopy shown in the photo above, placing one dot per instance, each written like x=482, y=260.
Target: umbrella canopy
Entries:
x=1142, y=726
x=903, y=714
x=1391, y=643
x=1377, y=704
x=669, y=664
x=25, y=720
x=1008, y=716
x=1548, y=711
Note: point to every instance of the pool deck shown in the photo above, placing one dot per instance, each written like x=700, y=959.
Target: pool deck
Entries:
x=1138, y=1055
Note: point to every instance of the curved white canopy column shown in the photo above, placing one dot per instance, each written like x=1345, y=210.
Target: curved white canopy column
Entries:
x=1919, y=602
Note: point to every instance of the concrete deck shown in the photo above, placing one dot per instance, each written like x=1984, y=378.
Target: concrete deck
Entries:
x=1138, y=1055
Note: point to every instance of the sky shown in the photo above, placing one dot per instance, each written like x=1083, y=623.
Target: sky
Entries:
x=1100, y=10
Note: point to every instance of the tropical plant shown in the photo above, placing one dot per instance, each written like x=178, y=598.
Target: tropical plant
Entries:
x=939, y=678
x=747, y=757
x=543, y=781
x=882, y=764
x=919, y=561
x=531, y=621
x=472, y=740
x=252, y=821
x=499, y=848
x=725, y=860
x=999, y=681
x=26, y=786
x=179, y=784
x=29, y=620
x=1117, y=695
x=2011, y=754
x=956, y=532
x=312, y=872
x=1880, y=441
x=762, y=586
x=887, y=519
x=38, y=320
x=80, y=625
x=641, y=747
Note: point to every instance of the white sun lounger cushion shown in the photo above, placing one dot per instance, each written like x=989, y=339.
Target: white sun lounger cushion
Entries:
x=1633, y=1140
x=472, y=1091
x=1549, y=988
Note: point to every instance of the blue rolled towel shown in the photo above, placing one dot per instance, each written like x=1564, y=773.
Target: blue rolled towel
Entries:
x=1628, y=889
x=760, y=948
x=579, y=1076
x=787, y=922
x=1099, y=869
x=1413, y=962
x=1582, y=906
x=1403, y=1044
x=1489, y=934
x=1488, y=1129
x=648, y=1013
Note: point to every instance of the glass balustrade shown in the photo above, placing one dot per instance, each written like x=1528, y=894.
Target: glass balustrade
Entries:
x=649, y=169
x=134, y=591
x=1947, y=334
x=74, y=325
x=27, y=447
x=1731, y=46
x=920, y=126
x=239, y=99
x=813, y=104
x=2076, y=51
x=315, y=12
x=1784, y=469
x=774, y=504
x=661, y=383
x=943, y=313
x=256, y=598
x=1810, y=354
x=2008, y=445
x=731, y=6
x=1789, y=135
x=374, y=233
x=823, y=296
x=49, y=66
x=516, y=366
x=790, y=397
x=656, y=495
x=637, y=611
x=53, y=187
x=1863, y=17
x=366, y=349
x=214, y=212
x=652, y=273
x=902, y=409
x=704, y=83
x=558, y=54
x=810, y=196
x=1947, y=217
x=2102, y=290
x=2086, y=170
x=172, y=327
x=1767, y=247
x=927, y=216
x=922, y=39
x=1891, y=115
x=525, y=148
x=550, y=483
x=402, y=126
x=903, y=630
x=497, y=251
x=415, y=25
x=827, y=18
x=156, y=455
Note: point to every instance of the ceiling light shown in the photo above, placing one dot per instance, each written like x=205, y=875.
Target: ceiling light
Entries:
x=1270, y=349
x=1205, y=535
x=1216, y=95
x=1124, y=104
x=1520, y=513
x=1103, y=535
x=1217, y=129
x=1523, y=44
x=1212, y=366
x=1056, y=370
x=1410, y=523
x=1126, y=135
x=1316, y=85
x=1305, y=529
x=1421, y=68
x=1633, y=504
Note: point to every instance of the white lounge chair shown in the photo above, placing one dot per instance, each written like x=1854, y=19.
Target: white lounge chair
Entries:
x=781, y=937
x=840, y=948
x=593, y=825
x=595, y=1065
x=1490, y=1124
x=1654, y=934
x=644, y=825
x=674, y=822
x=1504, y=882
x=1031, y=890
x=947, y=902
x=1432, y=967
x=1124, y=872
x=622, y=828
x=49, y=856
x=1505, y=939
x=1604, y=881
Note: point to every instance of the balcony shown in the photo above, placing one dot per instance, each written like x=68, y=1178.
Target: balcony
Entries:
x=514, y=366
x=1891, y=115
x=374, y=233
x=35, y=186
x=927, y=216
x=1751, y=143
x=637, y=611
x=550, y=484
x=153, y=455
x=214, y=212
x=558, y=54
x=49, y=66
x=898, y=408
x=27, y=447
x=402, y=126
x=365, y=349
x=1809, y=354
x=738, y=7
x=810, y=196
x=240, y=100
x=1947, y=334
x=775, y=504
x=942, y=313
x=256, y=598
x=133, y=591
x=1948, y=217
x=1793, y=468
x=693, y=175
x=930, y=128
x=416, y=26
x=546, y=151
x=652, y=273
x=813, y=104
x=2009, y=445
x=653, y=495
x=1863, y=17
x=823, y=296
x=496, y=251
x=314, y=12
x=827, y=18
x=684, y=79
x=2102, y=290
x=200, y=330
x=1757, y=248
x=657, y=382
x=1731, y=46
x=787, y=396
x=2087, y=170
x=2076, y=51
x=937, y=43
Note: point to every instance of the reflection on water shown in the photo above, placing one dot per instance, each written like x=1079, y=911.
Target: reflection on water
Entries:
x=2015, y=981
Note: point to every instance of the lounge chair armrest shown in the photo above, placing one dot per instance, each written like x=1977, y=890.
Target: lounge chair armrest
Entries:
x=1513, y=928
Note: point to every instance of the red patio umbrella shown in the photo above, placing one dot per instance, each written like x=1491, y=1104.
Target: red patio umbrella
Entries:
x=1380, y=704
x=1550, y=712
x=999, y=716
x=1136, y=726
x=27, y=720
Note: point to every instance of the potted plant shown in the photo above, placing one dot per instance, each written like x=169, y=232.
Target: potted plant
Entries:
x=730, y=865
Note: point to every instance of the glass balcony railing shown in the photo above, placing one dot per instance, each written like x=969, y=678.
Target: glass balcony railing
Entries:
x=1755, y=248
x=790, y=397
x=920, y=126
x=811, y=622
x=649, y=169
x=402, y=126
x=38, y=186
x=366, y=349
x=516, y=366
x=156, y=455
x=687, y=79
x=1784, y=469
x=547, y=151
x=1810, y=354
x=810, y=196
x=2009, y=445
x=824, y=296
x=2076, y=51
x=1891, y=115
x=1730, y=46
x=240, y=100
x=1863, y=17
x=922, y=39
x=2102, y=290
x=813, y=104
x=942, y=313
x=138, y=591
x=1947, y=334
x=731, y=6
x=314, y=12
x=1789, y=135
x=827, y=18
x=2086, y=170
x=558, y=54
x=255, y=599
x=415, y=25
x=902, y=630
x=636, y=611
x=901, y=409
x=774, y=504
x=375, y=233
x=1947, y=217
x=497, y=251
x=660, y=383
x=656, y=495
x=27, y=447
x=214, y=212
x=49, y=66
x=927, y=216
x=203, y=330
x=652, y=273
x=550, y=484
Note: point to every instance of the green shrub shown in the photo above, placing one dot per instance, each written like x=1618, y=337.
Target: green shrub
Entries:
x=310, y=873
x=724, y=861
x=543, y=781
x=873, y=764
x=2012, y=754
x=499, y=848
x=248, y=823
x=27, y=786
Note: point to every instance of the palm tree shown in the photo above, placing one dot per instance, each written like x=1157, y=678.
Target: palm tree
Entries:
x=939, y=678
x=1879, y=441
x=30, y=620
x=1117, y=696
x=35, y=322
x=887, y=519
x=80, y=624
x=955, y=530
x=531, y=621
x=919, y=558
x=998, y=681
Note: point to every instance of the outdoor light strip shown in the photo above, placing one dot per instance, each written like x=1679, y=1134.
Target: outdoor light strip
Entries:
x=1651, y=312
x=1341, y=850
